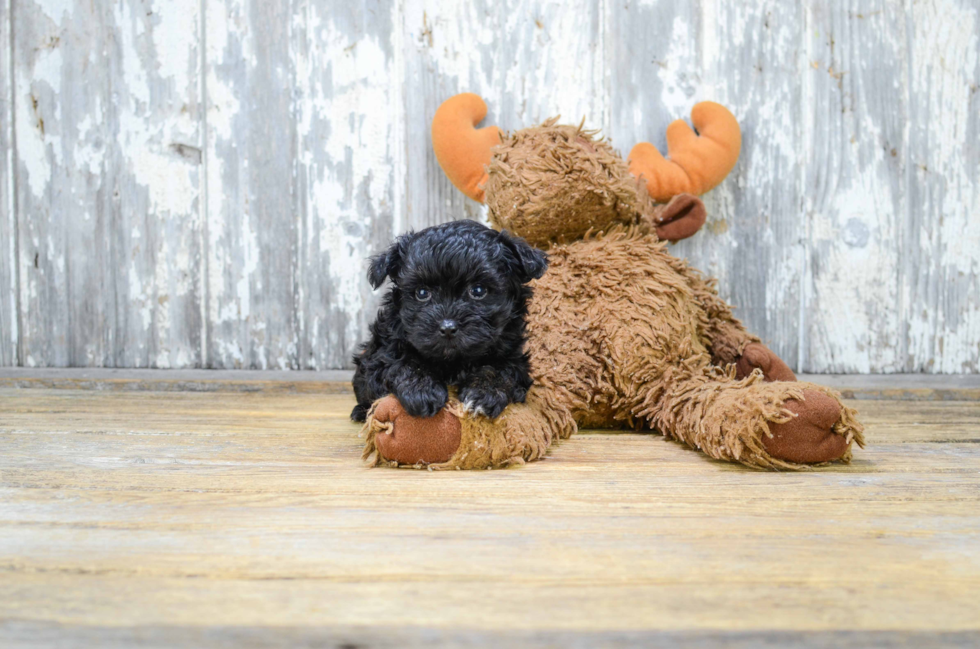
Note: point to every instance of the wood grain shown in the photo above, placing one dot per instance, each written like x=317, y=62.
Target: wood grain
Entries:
x=347, y=86
x=252, y=199
x=9, y=325
x=755, y=243
x=440, y=43
x=375, y=636
x=198, y=185
x=107, y=181
x=943, y=168
x=855, y=200
x=252, y=514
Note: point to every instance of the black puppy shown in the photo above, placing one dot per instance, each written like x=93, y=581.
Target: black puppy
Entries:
x=454, y=316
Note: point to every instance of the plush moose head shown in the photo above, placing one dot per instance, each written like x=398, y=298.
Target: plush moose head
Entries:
x=553, y=182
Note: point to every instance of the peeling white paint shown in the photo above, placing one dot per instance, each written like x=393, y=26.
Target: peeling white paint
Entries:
x=847, y=235
x=38, y=145
x=849, y=320
x=356, y=109
x=55, y=9
x=175, y=39
x=678, y=71
x=147, y=142
x=243, y=289
x=944, y=300
x=89, y=151
x=9, y=289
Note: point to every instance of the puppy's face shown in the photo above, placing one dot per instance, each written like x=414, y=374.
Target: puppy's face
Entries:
x=458, y=286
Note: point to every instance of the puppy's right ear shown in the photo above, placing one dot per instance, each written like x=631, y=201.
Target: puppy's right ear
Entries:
x=386, y=264
x=530, y=262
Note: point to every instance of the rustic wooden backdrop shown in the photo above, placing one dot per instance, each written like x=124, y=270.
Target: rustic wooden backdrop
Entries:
x=197, y=184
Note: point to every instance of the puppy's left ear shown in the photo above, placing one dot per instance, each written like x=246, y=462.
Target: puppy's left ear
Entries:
x=530, y=263
x=386, y=264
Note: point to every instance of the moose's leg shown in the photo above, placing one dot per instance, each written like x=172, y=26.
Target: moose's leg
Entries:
x=774, y=425
x=726, y=338
x=455, y=439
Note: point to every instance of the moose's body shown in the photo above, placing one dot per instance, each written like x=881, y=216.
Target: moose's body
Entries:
x=620, y=332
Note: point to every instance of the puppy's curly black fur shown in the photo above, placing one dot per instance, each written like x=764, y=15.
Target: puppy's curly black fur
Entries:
x=454, y=316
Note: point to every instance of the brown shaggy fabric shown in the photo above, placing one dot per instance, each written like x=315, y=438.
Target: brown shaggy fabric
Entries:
x=558, y=182
x=624, y=334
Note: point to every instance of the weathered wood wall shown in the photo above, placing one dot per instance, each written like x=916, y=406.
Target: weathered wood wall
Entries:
x=196, y=184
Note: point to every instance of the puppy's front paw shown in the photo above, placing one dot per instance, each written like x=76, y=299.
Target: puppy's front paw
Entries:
x=487, y=402
x=424, y=401
x=360, y=412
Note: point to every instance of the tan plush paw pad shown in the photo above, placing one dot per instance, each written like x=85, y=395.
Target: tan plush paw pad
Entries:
x=809, y=437
x=414, y=440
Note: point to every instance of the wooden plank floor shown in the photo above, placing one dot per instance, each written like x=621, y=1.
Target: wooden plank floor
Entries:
x=247, y=519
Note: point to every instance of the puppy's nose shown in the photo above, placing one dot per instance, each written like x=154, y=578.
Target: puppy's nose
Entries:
x=448, y=328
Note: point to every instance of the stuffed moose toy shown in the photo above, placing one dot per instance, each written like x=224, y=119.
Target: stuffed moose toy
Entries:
x=621, y=334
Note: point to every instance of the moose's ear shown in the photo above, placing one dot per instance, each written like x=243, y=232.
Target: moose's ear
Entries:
x=387, y=263
x=528, y=263
x=681, y=218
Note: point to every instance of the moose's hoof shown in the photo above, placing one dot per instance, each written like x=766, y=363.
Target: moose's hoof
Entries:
x=415, y=440
x=808, y=438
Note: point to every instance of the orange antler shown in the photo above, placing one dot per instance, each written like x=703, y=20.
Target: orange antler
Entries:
x=462, y=150
x=696, y=163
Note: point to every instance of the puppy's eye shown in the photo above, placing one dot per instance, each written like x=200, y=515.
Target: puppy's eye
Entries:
x=478, y=292
x=422, y=294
